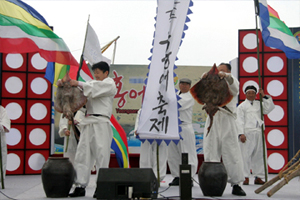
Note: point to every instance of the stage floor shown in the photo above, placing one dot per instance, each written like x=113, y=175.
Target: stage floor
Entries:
x=23, y=187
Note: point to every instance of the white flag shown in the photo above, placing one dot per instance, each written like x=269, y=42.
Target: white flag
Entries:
x=92, y=50
x=159, y=114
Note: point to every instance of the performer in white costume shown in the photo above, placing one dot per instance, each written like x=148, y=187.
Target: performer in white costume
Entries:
x=4, y=128
x=188, y=144
x=222, y=140
x=148, y=154
x=96, y=133
x=249, y=128
x=63, y=132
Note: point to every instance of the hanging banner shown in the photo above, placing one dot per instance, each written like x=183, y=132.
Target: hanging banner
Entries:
x=159, y=114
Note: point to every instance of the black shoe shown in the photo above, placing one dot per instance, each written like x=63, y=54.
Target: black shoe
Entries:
x=78, y=192
x=95, y=194
x=237, y=190
x=175, y=182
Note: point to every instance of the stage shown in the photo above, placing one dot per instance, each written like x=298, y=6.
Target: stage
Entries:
x=29, y=187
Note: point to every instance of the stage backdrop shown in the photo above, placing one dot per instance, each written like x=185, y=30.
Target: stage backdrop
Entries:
x=280, y=79
x=130, y=85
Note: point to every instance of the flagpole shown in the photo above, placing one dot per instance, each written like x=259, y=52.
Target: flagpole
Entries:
x=256, y=5
x=114, y=54
x=1, y=162
x=108, y=45
x=157, y=163
x=81, y=57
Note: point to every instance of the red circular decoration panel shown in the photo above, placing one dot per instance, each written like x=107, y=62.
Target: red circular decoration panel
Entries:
x=248, y=65
x=35, y=160
x=15, y=162
x=277, y=159
x=16, y=110
x=278, y=116
x=13, y=85
x=276, y=87
x=38, y=137
x=276, y=137
x=38, y=112
x=275, y=64
x=248, y=41
x=38, y=86
x=14, y=62
x=15, y=138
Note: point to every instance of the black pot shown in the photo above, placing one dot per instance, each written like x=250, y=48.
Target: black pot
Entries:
x=57, y=177
x=213, y=178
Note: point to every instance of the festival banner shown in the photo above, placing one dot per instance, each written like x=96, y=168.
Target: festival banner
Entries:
x=159, y=114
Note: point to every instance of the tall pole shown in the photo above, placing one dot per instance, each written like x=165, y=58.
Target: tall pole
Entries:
x=1, y=162
x=260, y=96
x=157, y=163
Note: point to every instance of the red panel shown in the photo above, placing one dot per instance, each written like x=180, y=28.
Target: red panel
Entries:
x=278, y=87
x=269, y=49
x=246, y=63
x=276, y=135
x=275, y=64
x=13, y=85
x=20, y=145
x=21, y=119
x=283, y=157
x=20, y=169
x=244, y=82
x=35, y=161
x=244, y=36
x=42, y=109
x=33, y=89
x=36, y=63
x=21, y=68
x=38, y=141
x=282, y=112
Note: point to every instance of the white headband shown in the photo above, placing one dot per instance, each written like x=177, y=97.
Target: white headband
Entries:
x=250, y=90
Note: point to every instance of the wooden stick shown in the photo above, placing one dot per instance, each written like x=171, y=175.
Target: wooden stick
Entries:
x=276, y=178
x=283, y=182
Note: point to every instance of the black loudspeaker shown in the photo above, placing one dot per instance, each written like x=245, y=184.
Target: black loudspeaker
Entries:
x=126, y=183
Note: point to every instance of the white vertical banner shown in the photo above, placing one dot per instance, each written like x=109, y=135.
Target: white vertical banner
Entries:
x=159, y=114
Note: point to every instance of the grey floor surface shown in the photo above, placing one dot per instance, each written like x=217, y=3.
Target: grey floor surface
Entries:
x=23, y=187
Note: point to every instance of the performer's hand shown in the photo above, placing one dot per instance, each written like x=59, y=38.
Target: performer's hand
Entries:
x=222, y=75
x=59, y=83
x=204, y=75
x=74, y=83
x=243, y=138
x=261, y=91
x=67, y=132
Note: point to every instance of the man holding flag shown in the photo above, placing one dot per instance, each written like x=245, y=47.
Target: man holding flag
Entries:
x=96, y=132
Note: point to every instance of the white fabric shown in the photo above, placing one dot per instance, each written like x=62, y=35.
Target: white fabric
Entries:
x=5, y=124
x=222, y=140
x=188, y=144
x=92, y=49
x=72, y=146
x=159, y=107
x=249, y=123
x=96, y=133
x=148, y=154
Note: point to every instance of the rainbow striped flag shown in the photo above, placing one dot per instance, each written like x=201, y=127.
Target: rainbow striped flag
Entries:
x=119, y=143
x=24, y=30
x=275, y=33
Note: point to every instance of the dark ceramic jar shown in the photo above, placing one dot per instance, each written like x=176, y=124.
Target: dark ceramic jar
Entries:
x=57, y=177
x=212, y=178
